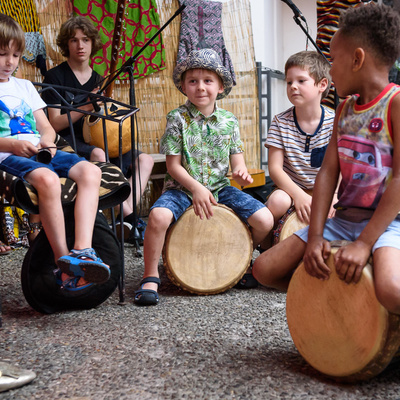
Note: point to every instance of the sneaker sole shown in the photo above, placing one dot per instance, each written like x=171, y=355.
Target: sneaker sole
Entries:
x=92, y=273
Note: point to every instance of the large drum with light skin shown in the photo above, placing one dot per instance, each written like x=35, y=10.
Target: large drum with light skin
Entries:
x=207, y=256
x=341, y=329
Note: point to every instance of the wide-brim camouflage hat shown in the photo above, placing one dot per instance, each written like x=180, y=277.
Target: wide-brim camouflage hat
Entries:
x=204, y=59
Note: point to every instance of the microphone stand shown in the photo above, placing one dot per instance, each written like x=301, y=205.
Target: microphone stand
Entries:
x=298, y=22
x=128, y=67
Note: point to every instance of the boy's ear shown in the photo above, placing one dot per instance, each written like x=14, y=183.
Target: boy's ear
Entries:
x=221, y=87
x=183, y=86
x=358, y=58
x=323, y=84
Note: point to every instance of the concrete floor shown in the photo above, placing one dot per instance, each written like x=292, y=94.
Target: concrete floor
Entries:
x=234, y=345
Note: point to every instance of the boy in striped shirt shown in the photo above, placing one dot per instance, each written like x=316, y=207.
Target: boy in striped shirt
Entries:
x=298, y=137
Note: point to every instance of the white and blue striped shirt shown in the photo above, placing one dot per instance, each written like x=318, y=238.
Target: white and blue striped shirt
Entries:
x=303, y=152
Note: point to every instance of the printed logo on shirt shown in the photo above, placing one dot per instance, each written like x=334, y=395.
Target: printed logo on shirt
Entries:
x=375, y=125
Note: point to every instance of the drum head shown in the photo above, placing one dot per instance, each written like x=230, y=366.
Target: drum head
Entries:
x=207, y=256
x=338, y=328
x=39, y=282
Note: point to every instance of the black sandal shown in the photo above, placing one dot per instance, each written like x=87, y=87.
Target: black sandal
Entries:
x=147, y=297
x=247, y=282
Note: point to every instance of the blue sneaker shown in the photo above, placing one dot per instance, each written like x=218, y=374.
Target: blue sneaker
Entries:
x=84, y=264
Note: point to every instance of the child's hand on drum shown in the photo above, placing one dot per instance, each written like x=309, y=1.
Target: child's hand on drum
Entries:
x=350, y=261
x=317, y=252
x=242, y=177
x=302, y=204
x=203, y=201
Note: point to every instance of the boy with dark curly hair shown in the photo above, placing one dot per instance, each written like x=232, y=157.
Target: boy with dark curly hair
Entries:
x=78, y=41
x=365, y=151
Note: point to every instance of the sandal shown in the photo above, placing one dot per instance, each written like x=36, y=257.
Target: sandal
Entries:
x=147, y=297
x=72, y=284
x=247, y=282
x=6, y=247
x=85, y=264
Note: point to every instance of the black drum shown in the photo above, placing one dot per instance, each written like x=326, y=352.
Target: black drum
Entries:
x=39, y=281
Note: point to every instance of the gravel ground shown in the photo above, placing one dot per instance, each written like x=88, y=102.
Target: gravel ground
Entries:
x=234, y=345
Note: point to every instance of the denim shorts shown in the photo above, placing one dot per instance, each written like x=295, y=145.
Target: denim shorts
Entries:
x=61, y=163
x=341, y=229
x=241, y=203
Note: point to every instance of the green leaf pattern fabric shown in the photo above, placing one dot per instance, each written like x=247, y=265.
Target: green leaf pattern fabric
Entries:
x=204, y=143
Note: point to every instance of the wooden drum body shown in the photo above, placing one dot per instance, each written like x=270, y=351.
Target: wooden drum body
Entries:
x=207, y=256
x=341, y=329
x=287, y=225
x=93, y=132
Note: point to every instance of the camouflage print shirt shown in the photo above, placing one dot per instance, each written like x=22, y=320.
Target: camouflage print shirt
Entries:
x=205, y=144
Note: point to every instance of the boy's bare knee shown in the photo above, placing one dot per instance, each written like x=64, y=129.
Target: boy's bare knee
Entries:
x=389, y=296
x=98, y=154
x=47, y=182
x=88, y=172
x=145, y=161
x=261, y=268
x=262, y=220
x=159, y=219
x=274, y=267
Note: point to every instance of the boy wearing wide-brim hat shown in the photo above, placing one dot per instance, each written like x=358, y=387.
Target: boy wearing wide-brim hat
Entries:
x=200, y=140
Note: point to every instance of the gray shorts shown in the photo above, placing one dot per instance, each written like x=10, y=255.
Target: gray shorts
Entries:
x=341, y=229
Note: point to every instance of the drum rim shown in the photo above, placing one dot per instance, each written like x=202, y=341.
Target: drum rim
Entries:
x=288, y=216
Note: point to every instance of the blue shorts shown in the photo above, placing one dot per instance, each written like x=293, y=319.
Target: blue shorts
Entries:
x=241, y=203
x=341, y=229
x=61, y=163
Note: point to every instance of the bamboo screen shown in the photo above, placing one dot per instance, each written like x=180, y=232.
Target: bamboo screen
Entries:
x=156, y=94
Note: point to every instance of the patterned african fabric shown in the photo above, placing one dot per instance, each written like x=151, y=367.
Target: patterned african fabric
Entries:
x=24, y=12
x=328, y=14
x=201, y=29
x=205, y=144
x=139, y=24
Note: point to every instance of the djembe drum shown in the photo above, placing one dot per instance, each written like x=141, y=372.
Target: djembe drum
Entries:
x=207, y=256
x=287, y=225
x=341, y=330
x=93, y=131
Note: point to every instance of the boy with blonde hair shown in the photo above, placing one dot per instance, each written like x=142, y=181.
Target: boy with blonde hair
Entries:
x=24, y=131
x=199, y=142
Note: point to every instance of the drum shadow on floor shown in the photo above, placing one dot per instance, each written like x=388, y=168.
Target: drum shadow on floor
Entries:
x=292, y=362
